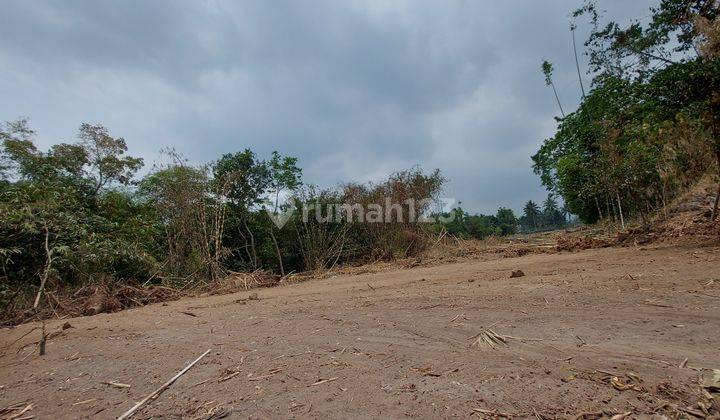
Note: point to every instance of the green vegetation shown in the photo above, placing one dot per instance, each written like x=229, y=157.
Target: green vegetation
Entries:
x=463, y=225
x=649, y=126
x=550, y=217
x=77, y=215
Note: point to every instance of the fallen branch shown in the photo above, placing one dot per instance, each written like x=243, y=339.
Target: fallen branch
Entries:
x=20, y=338
x=650, y=302
x=589, y=414
x=491, y=412
x=116, y=384
x=325, y=381
x=260, y=378
x=158, y=391
x=85, y=401
x=16, y=407
x=230, y=376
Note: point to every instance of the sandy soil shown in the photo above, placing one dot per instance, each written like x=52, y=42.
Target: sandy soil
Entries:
x=398, y=344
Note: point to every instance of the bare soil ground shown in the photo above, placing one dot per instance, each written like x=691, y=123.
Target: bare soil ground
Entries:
x=399, y=344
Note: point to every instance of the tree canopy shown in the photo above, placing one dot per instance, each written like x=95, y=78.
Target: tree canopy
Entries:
x=647, y=128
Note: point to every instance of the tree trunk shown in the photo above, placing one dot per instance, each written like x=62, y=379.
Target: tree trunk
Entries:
x=598, y=208
x=277, y=250
x=46, y=271
x=557, y=98
x=252, y=243
x=717, y=196
x=643, y=219
x=622, y=219
x=715, y=206
x=219, y=231
x=610, y=214
x=577, y=63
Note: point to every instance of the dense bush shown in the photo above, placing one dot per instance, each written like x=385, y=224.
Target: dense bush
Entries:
x=76, y=215
x=65, y=217
x=649, y=126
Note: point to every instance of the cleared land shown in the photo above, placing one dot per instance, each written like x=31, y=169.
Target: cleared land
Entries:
x=399, y=343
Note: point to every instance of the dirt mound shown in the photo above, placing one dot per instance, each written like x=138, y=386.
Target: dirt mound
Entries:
x=578, y=243
x=686, y=220
x=236, y=282
x=108, y=296
x=112, y=296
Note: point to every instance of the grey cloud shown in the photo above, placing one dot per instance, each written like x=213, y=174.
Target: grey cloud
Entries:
x=355, y=89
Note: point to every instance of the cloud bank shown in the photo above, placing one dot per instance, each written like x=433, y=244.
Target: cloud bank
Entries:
x=354, y=89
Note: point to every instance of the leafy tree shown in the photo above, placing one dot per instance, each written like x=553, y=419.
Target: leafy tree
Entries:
x=459, y=223
x=180, y=195
x=639, y=50
x=105, y=157
x=54, y=225
x=248, y=177
x=284, y=175
x=507, y=222
x=247, y=181
x=551, y=214
x=532, y=217
x=646, y=129
x=481, y=226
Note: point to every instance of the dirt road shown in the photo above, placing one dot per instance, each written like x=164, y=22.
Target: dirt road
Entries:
x=398, y=344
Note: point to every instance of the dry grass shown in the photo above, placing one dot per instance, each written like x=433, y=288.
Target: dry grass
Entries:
x=488, y=338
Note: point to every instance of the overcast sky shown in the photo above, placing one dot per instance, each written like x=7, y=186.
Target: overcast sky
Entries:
x=354, y=89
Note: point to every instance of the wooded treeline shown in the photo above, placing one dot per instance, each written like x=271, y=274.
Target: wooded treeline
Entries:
x=649, y=126
x=77, y=214
x=462, y=224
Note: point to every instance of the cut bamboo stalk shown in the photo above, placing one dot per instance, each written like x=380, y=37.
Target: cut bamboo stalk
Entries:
x=158, y=391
